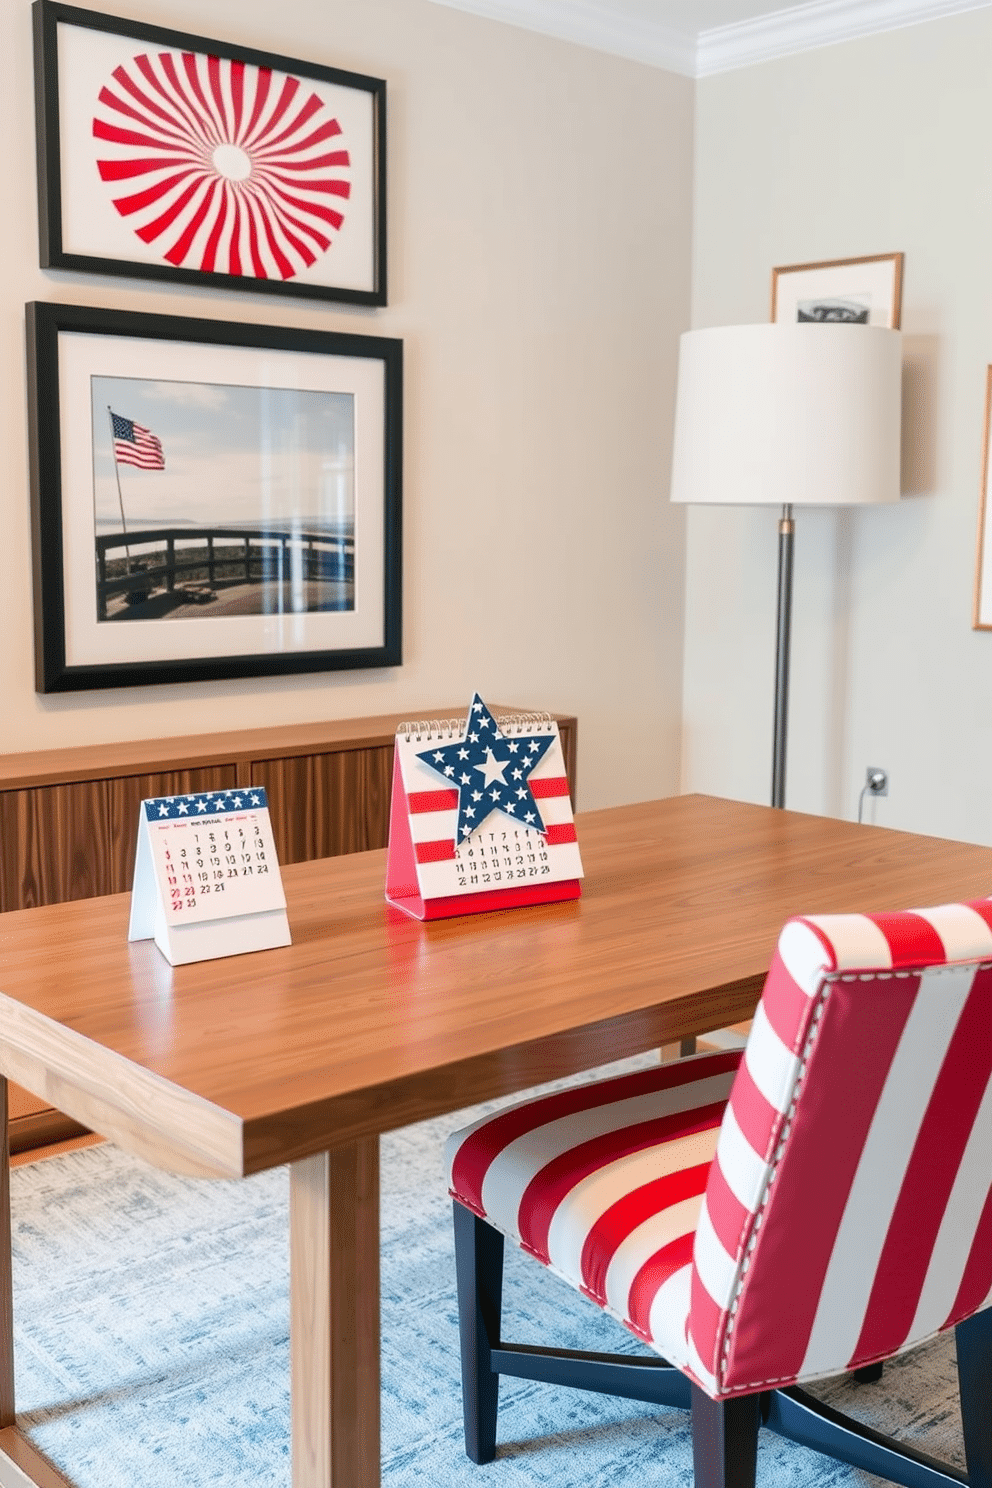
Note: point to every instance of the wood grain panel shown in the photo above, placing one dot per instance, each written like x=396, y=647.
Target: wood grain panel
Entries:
x=300, y=828
x=23, y=1466
x=43, y=1128
x=22, y=1103
x=334, y=1323
x=54, y=844
x=112, y=1096
x=323, y=805
x=33, y=1123
x=358, y=787
x=126, y=795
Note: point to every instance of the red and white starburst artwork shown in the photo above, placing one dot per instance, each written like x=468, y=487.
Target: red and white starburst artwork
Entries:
x=222, y=166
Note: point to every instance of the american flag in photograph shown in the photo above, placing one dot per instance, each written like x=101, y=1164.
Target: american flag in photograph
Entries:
x=136, y=445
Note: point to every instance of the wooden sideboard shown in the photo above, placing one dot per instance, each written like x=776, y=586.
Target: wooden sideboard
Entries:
x=69, y=817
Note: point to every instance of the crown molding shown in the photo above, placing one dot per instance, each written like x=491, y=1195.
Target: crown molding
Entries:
x=782, y=33
x=600, y=26
x=815, y=24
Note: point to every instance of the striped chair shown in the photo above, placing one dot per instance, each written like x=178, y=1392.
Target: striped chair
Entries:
x=813, y=1206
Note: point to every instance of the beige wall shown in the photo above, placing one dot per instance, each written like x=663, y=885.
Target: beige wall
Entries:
x=539, y=206
x=868, y=147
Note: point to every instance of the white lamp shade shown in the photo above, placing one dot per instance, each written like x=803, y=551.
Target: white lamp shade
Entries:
x=788, y=414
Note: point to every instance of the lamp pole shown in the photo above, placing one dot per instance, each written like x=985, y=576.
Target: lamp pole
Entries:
x=786, y=540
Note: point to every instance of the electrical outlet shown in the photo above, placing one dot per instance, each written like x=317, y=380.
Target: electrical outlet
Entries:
x=876, y=781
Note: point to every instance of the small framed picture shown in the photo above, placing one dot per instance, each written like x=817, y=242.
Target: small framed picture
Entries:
x=851, y=291
x=983, y=567
x=168, y=156
x=210, y=499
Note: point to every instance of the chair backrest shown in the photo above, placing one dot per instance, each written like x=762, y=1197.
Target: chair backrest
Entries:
x=848, y=1212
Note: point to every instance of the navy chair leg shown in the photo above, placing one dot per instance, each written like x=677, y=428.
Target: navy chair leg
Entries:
x=479, y=1274
x=725, y=1440
x=974, y=1346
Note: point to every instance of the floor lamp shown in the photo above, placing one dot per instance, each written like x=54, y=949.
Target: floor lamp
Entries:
x=787, y=415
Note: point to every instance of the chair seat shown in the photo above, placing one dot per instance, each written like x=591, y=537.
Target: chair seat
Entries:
x=603, y=1183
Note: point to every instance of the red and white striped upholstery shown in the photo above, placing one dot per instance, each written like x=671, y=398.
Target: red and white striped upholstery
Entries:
x=821, y=1202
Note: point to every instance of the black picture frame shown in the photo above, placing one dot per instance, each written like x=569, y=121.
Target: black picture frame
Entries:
x=197, y=364
x=189, y=219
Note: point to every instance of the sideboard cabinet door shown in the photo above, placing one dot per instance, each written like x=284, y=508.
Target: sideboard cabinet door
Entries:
x=54, y=844
x=323, y=805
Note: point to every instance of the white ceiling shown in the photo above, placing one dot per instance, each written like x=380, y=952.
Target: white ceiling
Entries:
x=700, y=37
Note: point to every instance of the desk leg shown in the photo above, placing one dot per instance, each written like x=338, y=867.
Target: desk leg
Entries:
x=334, y=1317
x=6, y=1277
x=21, y=1466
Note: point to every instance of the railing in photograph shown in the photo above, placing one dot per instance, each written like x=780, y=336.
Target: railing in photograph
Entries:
x=218, y=554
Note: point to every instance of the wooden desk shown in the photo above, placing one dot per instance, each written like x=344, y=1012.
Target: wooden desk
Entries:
x=69, y=817
x=370, y=1021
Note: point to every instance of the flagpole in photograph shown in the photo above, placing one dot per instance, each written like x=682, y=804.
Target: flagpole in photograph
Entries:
x=120, y=497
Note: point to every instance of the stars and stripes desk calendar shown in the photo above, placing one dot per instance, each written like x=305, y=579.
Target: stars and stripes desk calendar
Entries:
x=480, y=817
x=206, y=877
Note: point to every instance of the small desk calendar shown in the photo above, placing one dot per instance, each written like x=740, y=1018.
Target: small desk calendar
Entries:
x=480, y=816
x=206, y=877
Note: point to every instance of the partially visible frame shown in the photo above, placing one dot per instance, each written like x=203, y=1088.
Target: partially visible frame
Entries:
x=163, y=155
x=855, y=291
x=982, y=618
x=210, y=499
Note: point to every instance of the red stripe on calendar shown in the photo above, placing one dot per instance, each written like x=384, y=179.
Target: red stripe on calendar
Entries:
x=436, y=852
x=555, y=785
x=439, y=800
x=556, y=835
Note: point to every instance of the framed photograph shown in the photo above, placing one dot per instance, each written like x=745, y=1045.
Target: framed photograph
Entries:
x=852, y=291
x=983, y=567
x=168, y=156
x=210, y=499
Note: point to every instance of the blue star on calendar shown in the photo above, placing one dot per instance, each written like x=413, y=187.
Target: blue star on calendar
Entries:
x=490, y=771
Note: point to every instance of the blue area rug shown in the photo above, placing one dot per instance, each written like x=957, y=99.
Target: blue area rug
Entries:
x=151, y=1343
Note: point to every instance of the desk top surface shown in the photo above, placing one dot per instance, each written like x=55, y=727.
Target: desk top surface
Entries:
x=371, y=1020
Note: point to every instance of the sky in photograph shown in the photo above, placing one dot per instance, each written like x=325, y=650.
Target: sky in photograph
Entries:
x=233, y=456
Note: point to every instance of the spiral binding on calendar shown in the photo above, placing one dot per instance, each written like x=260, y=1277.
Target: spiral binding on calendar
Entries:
x=426, y=730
